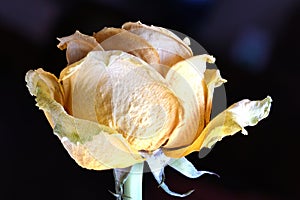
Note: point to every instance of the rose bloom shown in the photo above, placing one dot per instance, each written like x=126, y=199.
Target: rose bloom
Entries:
x=135, y=90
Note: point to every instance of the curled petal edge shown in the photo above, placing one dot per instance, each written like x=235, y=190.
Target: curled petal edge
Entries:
x=170, y=47
x=78, y=46
x=232, y=120
x=213, y=80
x=121, y=39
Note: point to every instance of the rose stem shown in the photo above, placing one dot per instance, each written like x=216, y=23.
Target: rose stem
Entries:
x=133, y=185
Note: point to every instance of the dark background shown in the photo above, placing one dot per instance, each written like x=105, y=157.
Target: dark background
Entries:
x=256, y=44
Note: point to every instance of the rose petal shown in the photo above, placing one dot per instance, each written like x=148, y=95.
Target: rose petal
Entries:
x=213, y=80
x=144, y=108
x=78, y=45
x=55, y=90
x=128, y=93
x=120, y=39
x=171, y=48
x=66, y=75
x=232, y=120
x=89, y=87
x=91, y=145
x=186, y=78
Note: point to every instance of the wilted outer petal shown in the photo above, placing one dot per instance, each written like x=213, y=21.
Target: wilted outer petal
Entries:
x=186, y=78
x=53, y=89
x=91, y=145
x=235, y=118
x=121, y=39
x=78, y=45
x=170, y=47
x=128, y=93
x=212, y=79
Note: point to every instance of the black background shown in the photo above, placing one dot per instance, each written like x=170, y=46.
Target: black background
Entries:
x=256, y=44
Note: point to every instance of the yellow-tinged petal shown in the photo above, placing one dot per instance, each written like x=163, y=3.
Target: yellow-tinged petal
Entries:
x=144, y=108
x=90, y=144
x=78, y=45
x=232, y=120
x=65, y=78
x=120, y=39
x=171, y=48
x=89, y=87
x=122, y=91
x=186, y=78
x=212, y=79
x=54, y=90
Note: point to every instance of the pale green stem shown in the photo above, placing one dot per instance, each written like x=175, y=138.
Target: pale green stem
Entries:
x=133, y=185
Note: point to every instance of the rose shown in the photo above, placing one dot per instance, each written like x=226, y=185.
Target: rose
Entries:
x=137, y=93
x=132, y=91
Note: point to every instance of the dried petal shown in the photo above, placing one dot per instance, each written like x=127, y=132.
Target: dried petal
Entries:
x=145, y=110
x=89, y=144
x=54, y=89
x=120, y=39
x=89, y=85
x=124, y=92
x=78, y=45
x=186, y=78
x=232, y=120
x=171, y=48
x=66, y=76
x=212, y=79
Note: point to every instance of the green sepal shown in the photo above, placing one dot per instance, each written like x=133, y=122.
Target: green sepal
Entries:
x=186, y=168
x=157, y=162
x=160, y=177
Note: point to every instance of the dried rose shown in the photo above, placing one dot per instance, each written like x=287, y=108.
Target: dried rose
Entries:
x=135, y=93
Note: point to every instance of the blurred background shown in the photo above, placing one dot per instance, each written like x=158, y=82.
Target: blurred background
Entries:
x=256, y=44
